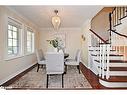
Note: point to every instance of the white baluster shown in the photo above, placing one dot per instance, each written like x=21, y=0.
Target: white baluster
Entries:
x=103, y=60
x=100, y=60
x=105, y=56
x=107, y=62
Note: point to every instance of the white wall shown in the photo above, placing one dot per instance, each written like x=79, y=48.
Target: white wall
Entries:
x=73, y=39
x=100, y=23
x=9, y=68
x=86, y=43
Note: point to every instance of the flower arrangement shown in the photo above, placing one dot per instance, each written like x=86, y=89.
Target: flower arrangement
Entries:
x=56, y=43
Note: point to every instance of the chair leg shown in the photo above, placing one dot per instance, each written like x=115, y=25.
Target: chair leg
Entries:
x=62, y=80
x=78, y=68
x=65, y=69
x=42, y=66
x=47, y=81
x=38, y=67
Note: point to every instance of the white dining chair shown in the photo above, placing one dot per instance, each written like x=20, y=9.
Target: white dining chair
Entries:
x=54, y=64
x=75, y=61
x=40, y=58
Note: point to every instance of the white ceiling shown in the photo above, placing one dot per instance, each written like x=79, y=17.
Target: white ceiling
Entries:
x=71, y=16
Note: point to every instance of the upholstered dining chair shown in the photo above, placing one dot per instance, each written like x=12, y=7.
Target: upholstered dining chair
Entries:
x=74, y=61
x=40, y=58
x=54, y=64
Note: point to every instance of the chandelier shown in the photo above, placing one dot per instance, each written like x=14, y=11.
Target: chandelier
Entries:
x=56, y=20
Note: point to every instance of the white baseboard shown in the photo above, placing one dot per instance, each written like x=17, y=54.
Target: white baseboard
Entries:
x=15, y=74
x=89, y=68
x=84, y=64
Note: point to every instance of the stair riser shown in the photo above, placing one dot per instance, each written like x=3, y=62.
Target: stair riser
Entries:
x=110, y=58
x=113, y=64
x=113, y=84
x=117, y=64
x=96, y=52
x=118, y=73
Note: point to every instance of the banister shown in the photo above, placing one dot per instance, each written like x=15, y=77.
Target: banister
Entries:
x=98, y=36
x=113, y=10
x=119, y=33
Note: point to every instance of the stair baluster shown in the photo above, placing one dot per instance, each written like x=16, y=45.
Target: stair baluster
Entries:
x=100, y=60
x=107, y=61
x=103, y=60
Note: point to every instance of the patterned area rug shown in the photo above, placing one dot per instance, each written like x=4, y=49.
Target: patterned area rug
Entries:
x=37, y=80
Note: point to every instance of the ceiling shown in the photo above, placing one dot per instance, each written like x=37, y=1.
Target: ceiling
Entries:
x=71, y=16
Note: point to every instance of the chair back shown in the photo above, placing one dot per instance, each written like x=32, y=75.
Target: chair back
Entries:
x=78, y=55
x=54, y=62
x=40, y=55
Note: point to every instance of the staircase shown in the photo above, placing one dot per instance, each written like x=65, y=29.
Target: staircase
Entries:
x=107, y=58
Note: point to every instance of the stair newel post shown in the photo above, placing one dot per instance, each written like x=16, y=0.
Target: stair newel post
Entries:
x=117, y=47
x=110, y=24
x=99, y=41
x=119, y=39
x=100, y=60
x=103, y=59
x=105, y=56
x=124, y=50
x=107, y=61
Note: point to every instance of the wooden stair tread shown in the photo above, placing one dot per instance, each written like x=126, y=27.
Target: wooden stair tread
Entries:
x=118, y=61
x=115, y=61
x=116, y=79
x=117, y=24
x=104, y=43
x=115, y=55
x=118, y=68
x=99, y=50
x=109, y=54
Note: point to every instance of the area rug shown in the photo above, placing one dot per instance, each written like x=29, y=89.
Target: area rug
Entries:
x=37, y=80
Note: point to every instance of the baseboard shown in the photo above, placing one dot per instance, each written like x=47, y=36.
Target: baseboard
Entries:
x=84, y=64
x=10, y=77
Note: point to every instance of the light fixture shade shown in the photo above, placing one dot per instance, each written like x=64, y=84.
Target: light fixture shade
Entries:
x=56, y=22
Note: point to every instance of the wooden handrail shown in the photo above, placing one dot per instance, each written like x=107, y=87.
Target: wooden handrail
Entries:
x=113, y=10
x=119, y=34
x=98, y=36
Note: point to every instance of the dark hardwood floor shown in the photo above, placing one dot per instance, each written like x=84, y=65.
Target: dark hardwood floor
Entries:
x=18, y=76
x=91, y=77
x=94, y=79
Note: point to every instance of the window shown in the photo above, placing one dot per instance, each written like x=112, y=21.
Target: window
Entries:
x=18, y=41
x=30, y=41
x=13, y=37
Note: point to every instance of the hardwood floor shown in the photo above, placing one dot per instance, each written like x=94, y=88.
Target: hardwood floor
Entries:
x=94, y=80
x=91, y=77
x=18, y=76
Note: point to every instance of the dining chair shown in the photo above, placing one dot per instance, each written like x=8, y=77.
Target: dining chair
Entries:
x=74, y=62
x=40, y=58
x=54, y=64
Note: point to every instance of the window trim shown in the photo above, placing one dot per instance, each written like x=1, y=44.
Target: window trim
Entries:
x=13, y=39
x=14, y=22
x=27, y=28
x=22, y=39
